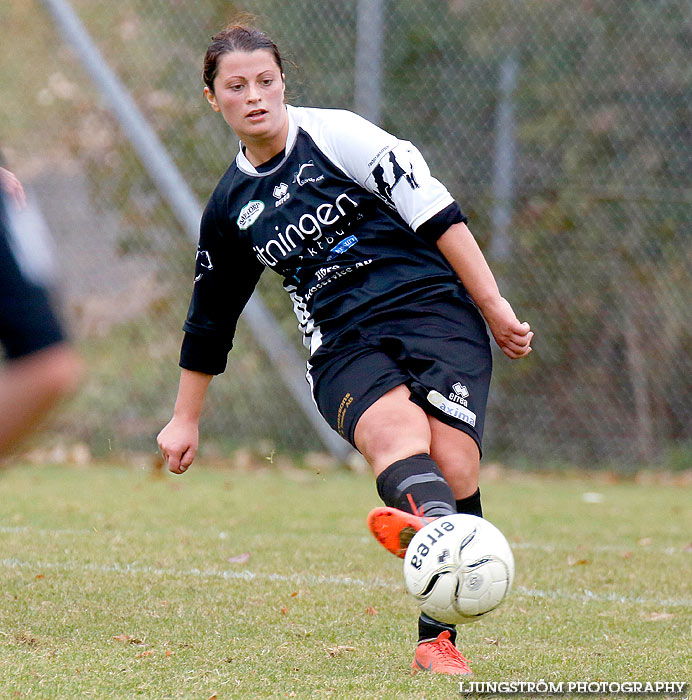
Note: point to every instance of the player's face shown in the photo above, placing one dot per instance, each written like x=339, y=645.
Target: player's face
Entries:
x=249, y=94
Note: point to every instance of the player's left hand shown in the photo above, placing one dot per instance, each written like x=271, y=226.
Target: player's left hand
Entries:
x=10, y=185
x=513, y=337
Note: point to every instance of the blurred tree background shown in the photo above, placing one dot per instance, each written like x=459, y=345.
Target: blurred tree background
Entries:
x=563, y=128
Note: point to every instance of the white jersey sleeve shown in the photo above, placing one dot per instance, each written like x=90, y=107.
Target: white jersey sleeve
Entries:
x=392, y=169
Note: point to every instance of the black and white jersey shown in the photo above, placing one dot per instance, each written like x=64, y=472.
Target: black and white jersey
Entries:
x=348, y=215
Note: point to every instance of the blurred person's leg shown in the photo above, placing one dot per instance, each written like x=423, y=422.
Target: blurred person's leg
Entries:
x=30, y=386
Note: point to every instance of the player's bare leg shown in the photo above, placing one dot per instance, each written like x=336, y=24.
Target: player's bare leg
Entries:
x=391, y=429
x=30, y=386
x=457, y=455
x=395, y=437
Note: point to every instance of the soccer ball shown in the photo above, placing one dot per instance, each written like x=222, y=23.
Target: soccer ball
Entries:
x=458, y=568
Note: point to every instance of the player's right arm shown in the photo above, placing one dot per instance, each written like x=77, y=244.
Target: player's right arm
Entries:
x=225, y=277
x=179, y=440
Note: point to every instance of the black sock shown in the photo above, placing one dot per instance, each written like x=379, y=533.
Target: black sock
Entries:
x=419, y=478
x=429, y=629
x=471, y=504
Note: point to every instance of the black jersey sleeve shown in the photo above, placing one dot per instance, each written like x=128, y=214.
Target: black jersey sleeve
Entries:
x=434, y=227
x=226, y=274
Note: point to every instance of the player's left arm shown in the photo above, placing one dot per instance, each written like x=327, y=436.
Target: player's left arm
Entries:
x=461, y=250
x=396, y=172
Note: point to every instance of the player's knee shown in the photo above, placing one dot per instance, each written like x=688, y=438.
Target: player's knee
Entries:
x=70, y=372
x=60, y=369
x=383, y=444
x=380, y=459
x=392, y=428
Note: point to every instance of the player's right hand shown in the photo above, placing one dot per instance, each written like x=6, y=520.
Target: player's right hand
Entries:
x=178, y=443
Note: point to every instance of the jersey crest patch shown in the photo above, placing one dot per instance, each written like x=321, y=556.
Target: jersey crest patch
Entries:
x=388, y=173
x=249, y=214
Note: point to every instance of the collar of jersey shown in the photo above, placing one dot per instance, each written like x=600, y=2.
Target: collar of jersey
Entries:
x=249, y=169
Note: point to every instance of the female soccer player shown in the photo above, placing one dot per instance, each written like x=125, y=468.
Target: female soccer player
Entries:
x=386, y=281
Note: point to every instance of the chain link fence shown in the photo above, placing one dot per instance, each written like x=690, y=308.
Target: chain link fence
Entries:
x=562, y=128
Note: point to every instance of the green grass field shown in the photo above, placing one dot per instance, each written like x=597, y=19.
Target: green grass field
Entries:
x=266, y=584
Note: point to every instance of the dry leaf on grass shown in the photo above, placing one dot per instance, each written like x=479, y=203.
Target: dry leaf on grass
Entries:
x=128, y=639
x=338, y=650
x=656, y=616
x=243, y=558
x=370, y=610
x=573, y=561
x=488, y=640
x=26, y=638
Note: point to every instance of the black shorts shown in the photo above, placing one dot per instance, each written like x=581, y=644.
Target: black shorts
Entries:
x=439, y=349
x=27, y=320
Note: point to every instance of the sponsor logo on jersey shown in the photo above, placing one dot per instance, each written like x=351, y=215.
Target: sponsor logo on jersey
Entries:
x=451, y=409
x=249, y=214
x=324, y=271
x=313, y=228
x=460, y=394
x=281, y=194
x=307, y=172
x=341, y=247
x=377, y=155
x=336, y=272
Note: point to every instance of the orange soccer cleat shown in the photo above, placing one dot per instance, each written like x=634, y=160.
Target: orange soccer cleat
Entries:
x=440, y=656
x=394, y=528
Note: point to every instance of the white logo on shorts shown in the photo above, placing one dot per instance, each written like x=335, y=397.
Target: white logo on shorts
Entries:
x=460, y=390
x=459, y=394
x=451, y=409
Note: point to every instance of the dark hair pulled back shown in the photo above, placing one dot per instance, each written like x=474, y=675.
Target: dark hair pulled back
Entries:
x=237, y=37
